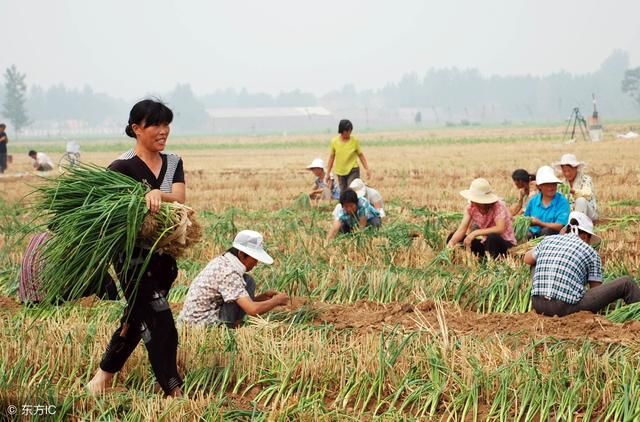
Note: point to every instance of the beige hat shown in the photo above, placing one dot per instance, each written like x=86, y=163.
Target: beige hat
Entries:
x=584, y=223
x=480, y=192
x=545, y=174
x=250, y=242
x=316, y=164
x=358, y=187
x=569, y=160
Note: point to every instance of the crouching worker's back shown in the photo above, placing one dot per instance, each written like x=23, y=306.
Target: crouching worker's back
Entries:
x=223, y=292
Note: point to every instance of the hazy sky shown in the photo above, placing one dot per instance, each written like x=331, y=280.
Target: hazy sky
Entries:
x=130, y=48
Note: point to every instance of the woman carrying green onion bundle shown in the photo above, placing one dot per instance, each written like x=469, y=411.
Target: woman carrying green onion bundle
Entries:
x=148, y=315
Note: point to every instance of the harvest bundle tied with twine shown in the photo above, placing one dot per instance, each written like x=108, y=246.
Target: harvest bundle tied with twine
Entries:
x=96, y=216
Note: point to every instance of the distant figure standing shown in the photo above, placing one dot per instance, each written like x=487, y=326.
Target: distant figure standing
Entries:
x=345, y=151
x=41, y=161
x=4, y=140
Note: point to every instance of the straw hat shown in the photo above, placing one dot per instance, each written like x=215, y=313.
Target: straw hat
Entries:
x=584, y=223
x=358, y=187
x=480, y=192
x=545, y=174
x=250, y=242
x=569, y=160
x=316, y=164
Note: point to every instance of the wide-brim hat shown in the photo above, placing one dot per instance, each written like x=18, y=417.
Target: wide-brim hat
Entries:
x=358, y=186
x=250, y=242
x=585, y=224
x=480, y=191
x=569, y=160
x=546, y=174
x=317, y=163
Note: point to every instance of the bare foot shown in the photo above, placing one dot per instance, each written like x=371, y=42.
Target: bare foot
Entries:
x=100, y=382
x=175, y=393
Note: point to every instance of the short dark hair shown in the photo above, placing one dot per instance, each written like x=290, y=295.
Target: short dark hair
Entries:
x=32, y=152
x=150, y=112
x=349, y=196
x=521, y=175
x=3, y=126
x=344, y=126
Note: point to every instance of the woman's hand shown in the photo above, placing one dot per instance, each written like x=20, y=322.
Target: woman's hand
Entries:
x=468, y=239
x=535, y=222
x=153, y=200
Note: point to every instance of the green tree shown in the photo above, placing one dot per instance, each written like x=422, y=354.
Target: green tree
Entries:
x=631, y=84
x=15, y=98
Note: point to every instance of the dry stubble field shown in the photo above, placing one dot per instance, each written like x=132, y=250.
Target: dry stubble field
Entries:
x=381, y=324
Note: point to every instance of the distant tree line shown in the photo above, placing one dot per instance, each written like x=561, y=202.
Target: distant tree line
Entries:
x=446, y=92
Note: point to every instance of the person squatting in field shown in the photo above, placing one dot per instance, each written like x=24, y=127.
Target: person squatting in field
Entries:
x=527, y=189
x=354, y=213
x=147, y=315
x=548, y=209
x=41, y=161
x=486, y=226
x=565, y=264
x=579, y=185
x=322, y=189
x=224, y=291
x=344, y=152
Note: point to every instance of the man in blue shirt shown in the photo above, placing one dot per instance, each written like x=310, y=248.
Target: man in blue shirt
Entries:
x=549, y=209
x=564, y=264
x=355, y=213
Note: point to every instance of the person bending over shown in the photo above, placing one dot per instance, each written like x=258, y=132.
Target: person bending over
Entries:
x=224, y=292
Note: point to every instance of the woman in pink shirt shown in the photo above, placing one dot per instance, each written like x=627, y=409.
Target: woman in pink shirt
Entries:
x=486, y=226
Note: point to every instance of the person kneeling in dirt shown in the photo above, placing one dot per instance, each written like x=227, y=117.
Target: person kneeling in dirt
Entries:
x=355, y=213
x=564, y=264
x=223, y=292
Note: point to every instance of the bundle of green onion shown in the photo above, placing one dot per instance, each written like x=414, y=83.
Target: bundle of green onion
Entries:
x=521, y=226
x=95, y=216
x=625, y=313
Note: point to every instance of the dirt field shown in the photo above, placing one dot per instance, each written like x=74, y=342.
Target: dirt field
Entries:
x=379, y=324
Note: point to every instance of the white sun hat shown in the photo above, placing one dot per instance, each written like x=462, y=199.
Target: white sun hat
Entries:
x=569, y=160
x=250, y=242
x=358, y=187
x=480, y=192
x=546, y=174
x=317, y=163
x=584, y=223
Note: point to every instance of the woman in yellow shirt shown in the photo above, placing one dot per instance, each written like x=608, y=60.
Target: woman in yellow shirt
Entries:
x=345, y=151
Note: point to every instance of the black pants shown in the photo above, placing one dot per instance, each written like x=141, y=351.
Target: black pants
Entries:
x=231, y=313
x=3, y=162
x=147, y=317
x=346, y=227
x=593, y=300
x=345, y=181
x=545, y=231
x=494, y=245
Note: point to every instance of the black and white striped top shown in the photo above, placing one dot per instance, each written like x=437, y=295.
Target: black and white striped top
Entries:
x=171, y=172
